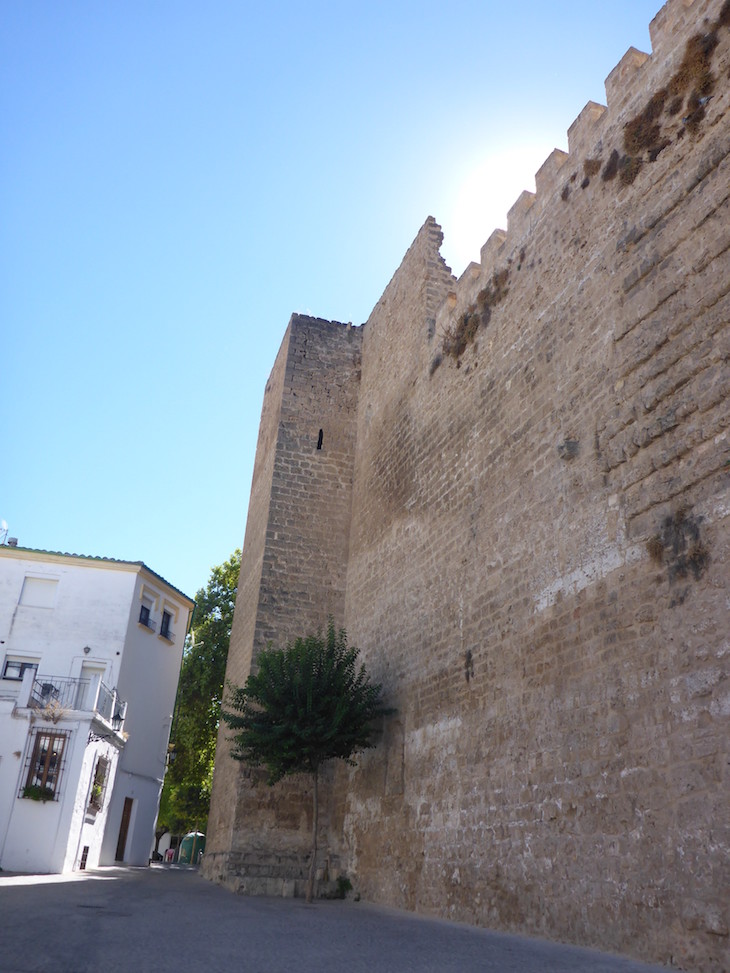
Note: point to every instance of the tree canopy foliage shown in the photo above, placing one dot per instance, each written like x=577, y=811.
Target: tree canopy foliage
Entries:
x=185, y=797
x=303, y=705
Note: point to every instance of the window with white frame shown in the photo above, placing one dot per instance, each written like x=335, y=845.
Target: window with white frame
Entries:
x=17, y=665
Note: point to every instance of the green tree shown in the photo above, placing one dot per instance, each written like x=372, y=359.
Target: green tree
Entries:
x=304, y=705
x=185, y=800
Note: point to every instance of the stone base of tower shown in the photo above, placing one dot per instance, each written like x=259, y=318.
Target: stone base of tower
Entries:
x=271, y=828
x=281, y=875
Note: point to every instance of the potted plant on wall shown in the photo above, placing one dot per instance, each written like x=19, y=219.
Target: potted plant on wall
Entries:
x=95, y=798
x=36, y=793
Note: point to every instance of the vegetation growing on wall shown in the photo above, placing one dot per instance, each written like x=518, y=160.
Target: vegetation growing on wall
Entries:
x=459, y=336
x=679, y=546
x=647, y=134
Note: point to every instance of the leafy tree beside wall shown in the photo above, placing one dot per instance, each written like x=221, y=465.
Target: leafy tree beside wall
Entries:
x=304, y=705
x=185, y=797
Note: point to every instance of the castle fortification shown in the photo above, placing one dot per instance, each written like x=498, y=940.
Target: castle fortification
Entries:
x=512, y=490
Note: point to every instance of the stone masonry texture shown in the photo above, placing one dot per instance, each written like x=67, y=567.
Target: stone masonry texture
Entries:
x=519, y=511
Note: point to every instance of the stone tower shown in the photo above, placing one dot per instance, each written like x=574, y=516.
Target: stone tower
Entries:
x=293, y=575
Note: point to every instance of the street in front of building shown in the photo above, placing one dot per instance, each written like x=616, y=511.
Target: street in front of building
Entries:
x=164, y=919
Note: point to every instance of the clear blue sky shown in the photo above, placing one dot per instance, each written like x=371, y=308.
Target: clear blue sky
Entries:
x=177, y=178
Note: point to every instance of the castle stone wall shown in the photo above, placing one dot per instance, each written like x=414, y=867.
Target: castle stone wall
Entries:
x=538, y=553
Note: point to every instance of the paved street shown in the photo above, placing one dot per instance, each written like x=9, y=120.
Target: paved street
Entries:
x=120, y=920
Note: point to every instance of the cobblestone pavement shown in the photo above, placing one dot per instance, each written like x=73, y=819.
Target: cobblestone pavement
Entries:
x=121, y=920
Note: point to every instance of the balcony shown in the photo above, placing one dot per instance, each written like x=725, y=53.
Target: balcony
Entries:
x=62, y=693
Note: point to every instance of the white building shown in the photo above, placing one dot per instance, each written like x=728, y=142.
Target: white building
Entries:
x=90, y=650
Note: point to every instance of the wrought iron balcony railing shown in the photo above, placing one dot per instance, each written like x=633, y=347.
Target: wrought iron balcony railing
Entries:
x=90, y=695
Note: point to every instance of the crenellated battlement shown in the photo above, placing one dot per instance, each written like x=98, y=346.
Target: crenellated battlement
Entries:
x=675, y=18
x=583, y=134
x=603, y=148
x=623, y=83
x=495, y=243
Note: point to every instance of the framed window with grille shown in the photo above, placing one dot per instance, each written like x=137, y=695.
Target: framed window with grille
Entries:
x=46, y=763
x=98, y=785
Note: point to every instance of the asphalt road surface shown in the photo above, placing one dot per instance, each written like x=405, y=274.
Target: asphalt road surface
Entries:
x=122, y=920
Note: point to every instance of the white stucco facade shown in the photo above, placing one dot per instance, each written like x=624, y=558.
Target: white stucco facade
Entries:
x=90, y=653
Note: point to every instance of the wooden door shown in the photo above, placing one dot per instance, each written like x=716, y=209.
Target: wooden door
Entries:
x=123, y=828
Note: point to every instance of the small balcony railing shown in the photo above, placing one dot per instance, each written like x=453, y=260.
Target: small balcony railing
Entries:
x=110, y=706
x=90, y=695
x=145, y=620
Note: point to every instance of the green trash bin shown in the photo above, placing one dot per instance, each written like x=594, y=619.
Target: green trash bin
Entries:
x=191, y=848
